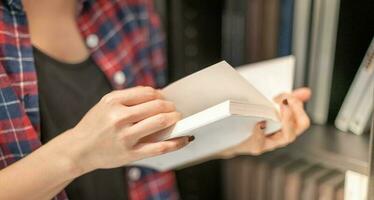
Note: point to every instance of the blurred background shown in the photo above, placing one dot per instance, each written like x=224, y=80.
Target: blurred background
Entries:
x=332, y=43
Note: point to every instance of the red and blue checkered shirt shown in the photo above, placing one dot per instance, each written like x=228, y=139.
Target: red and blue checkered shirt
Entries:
x=125, y=41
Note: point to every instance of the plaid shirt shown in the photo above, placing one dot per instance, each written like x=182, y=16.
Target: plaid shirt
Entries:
x=125, y=41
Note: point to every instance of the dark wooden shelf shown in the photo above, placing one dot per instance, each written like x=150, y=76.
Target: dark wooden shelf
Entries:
x=329, y=146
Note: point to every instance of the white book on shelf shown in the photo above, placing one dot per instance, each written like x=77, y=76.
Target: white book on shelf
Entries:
x=322, y=55
x=355, y=186
x=220, y=108
x=361, y=118
x=300, y=38
x=356, y=91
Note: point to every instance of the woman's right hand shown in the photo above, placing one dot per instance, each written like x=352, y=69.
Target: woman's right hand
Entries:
x=109, y=135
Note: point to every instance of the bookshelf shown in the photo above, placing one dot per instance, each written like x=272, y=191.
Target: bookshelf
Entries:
x=334, y=148
x=194, y=36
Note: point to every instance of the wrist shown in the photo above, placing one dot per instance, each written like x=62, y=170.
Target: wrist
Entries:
x=68, y=154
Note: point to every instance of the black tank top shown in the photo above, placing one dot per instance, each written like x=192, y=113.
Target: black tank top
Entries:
x=66, y=93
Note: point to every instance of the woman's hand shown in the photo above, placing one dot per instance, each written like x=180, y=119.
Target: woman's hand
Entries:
x=109, y=134
x=294, y=122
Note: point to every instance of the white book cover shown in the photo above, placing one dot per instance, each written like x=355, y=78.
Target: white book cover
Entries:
x=356, y=186
x=220, y=107
x=357, y=89
x=300, y=38
x=361, y=118
x=325, y=17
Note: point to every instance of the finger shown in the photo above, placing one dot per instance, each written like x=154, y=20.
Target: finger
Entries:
x=145, y=110
x=281, y=138
x=303, y=94
x=302, y=121
x=153, y=124
x=159, y=148
x=279, y=99
x=274, y=141
x=132, y=96
x=259, y=137
x=288, y=123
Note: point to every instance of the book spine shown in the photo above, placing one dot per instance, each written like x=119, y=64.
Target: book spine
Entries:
x=234, y=32
x=356, y=90
x=325, y=22
x=285, y=27
x=270, y=28
x=300, y=38
x=253, y=30
x=227, y=31
x=360, y=120
x=356, y=186
x=327, y=189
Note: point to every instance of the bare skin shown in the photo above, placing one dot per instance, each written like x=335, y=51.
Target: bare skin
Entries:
x=110, y=134
x=54, y=30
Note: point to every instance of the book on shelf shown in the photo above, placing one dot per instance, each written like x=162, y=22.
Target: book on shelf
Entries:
x=361, y=119
x=270, y=29
x=294, y=181
x=357, y=107
x=278, y=178
x=220, y=107
x=285, y=27
x=234, y=30
x=311, y=181
x=300, y=38
x=263, y=175
x=254, y=30
x=356, y=186
x=238, y=174
x=327, y=189
x=339, y=194
x=229, y=177
x=325, y=17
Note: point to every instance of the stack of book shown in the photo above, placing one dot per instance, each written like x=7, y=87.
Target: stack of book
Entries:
x=278, y=177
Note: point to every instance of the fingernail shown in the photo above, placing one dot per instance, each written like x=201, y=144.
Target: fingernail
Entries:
x=191, y=138
x=263, y=125
x=285, y=102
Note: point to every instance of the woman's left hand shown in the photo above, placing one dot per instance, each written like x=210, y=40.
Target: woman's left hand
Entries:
x=294, y=122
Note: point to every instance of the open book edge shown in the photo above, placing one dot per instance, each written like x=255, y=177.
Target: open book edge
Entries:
x=215, y=129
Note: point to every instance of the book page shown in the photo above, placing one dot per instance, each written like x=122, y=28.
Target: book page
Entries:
x=211, y=86
x=271, y=77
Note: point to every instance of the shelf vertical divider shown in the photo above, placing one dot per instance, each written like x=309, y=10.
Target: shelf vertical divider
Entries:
x=371, y=163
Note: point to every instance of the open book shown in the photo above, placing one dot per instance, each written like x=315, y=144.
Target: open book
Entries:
x=221, y=106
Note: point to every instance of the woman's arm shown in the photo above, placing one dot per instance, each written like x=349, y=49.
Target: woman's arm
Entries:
x=40, y=173
x=108, y=136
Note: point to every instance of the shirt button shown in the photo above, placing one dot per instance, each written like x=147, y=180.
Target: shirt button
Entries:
x=119, y=78
x=134, y=174
x=92, y=41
